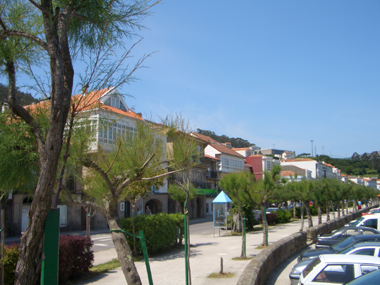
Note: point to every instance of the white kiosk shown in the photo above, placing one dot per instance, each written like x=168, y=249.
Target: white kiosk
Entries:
x=221, y=210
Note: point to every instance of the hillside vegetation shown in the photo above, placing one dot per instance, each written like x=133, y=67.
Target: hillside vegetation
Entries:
x=367, y=164
x=23, y=98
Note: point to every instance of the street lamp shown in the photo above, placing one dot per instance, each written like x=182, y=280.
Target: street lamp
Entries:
x=312, y=147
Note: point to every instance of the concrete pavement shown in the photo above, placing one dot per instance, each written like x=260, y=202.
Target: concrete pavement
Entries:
x=206, y=251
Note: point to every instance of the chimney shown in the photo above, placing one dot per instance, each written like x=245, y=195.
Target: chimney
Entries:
x=228, y=144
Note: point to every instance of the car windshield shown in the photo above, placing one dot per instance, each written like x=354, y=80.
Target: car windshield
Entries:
x=343, y=244
x=354, y=224
x=344, y=251
x=310, y=266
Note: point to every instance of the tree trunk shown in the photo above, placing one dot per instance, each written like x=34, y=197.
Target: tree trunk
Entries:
x=265, y=226
x=62, y=74
x=28, y=260
x=319, y=214
x=308, y=212
x=188, y=250
x=327, y=211
x=338, y=209
x=241, y=227
x=124, y=253
x=302, y=217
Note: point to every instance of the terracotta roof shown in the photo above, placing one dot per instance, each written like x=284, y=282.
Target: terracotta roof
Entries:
x=217, y=145
x=240, y=148
x=90, y=102
x=209, y=156
x=300, y=159
x=287, y=173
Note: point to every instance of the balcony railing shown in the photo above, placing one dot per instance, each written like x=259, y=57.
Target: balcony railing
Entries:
x=212, y=174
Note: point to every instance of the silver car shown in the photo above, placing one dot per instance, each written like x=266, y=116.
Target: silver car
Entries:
x=337, y=269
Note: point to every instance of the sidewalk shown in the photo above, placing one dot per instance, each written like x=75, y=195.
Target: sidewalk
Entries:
x=205, y=251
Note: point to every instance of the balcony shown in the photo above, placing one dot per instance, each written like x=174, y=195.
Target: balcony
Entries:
x=212, y=174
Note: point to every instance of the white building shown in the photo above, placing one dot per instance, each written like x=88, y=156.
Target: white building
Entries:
x=318, y=169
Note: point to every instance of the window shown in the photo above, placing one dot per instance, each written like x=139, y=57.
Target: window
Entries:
x=336, y=274
x=114, y=101
x=62, y=215
x=110, y=131
x=368, y=232
x=365, y=251
x=372, y=223
x=368, y=268
x=352, y=232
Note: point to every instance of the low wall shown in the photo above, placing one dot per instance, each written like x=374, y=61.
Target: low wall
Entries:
x=262, y=265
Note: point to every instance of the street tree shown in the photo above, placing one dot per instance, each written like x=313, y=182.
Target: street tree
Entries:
x=181, y=195
x=303, y=190
x=233, y=184
x=154, y=152
x=258, y=192
x=64, y=31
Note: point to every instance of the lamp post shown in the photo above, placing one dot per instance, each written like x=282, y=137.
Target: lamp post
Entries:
x=312, y=147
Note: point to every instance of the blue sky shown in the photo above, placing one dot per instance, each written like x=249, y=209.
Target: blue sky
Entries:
x=277, y=73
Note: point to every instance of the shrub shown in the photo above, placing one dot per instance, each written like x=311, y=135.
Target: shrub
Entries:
x=178, y=219
x=9, y=262
x=283, y=216
x=160, y=231
x=271, y=218
x=75, y=256
x=249, y=215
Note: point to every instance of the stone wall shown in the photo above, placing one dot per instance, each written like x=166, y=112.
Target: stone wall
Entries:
x=262, y=265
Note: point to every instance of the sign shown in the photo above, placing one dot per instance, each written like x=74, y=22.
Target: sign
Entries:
x=207, y=191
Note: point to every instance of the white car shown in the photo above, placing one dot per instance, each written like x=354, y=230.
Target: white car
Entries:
x=337, y=269
x=362, y=248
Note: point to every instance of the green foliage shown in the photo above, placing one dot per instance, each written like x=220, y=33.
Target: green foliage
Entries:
x=365, y=164
x=9, y=262
x=19, y=157
x=178, y=194
x=21, y=97
x=249, y=215
x=235, y=142
x=283, y=216
x=160, y=231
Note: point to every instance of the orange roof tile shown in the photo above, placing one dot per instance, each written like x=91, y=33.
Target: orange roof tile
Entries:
x=299, y=159
x=90, y=101
x=209, y=156
x=287, y=173
x=217, y=145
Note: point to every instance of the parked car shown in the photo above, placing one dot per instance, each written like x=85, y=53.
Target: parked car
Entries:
x=361, y=248
x=337, y=269
x=291, y=205
x=372, y=211
x=371, y=278
x=371, y=221
x=327, y=240
x=274, y=209
x=338, y=247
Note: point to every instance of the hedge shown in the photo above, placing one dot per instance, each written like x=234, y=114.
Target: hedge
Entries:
x=161, y=231
x=75, y=258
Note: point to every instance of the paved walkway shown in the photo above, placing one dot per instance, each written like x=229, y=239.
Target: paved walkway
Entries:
x=206, y=252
